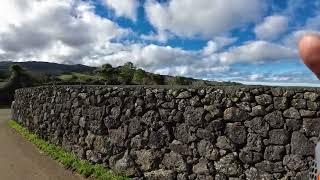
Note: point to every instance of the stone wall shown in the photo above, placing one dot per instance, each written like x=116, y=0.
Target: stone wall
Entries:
x=179, y=133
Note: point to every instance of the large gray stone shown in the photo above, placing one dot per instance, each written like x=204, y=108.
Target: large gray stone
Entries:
x=150, y=117
x=275, y=119
x=271, y=167
x=181, y=148
x=245, y=106
x=118, y=136
x=174, y=161
x=254, y=142
x=293, y=124
x=258, y=125
x=264, y=99
x=255, y=174
x=183, y=133
x=300, y=145
x=207, y=150
x=307, y=113
x=201, y=167
x=229, y=165
x=292, y=113
x=299, y=103
x=160, y=175
x=280, y=103
x=213, y=110
x=274, y=153
x=102, y=145
x=311, y=127
x=159, y=138
x=258, y=111
x=125, y=165
x=225, y=143
x=236, y=133
x=235, y=115
x=184, y=95
x=147, y=159
x=311, y=96
x=135, y=127
x=194, y=116
x=250, y=157
x=314, y=106
x=279, y=137
x=294, y=162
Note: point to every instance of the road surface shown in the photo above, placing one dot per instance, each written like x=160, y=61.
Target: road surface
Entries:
x=19, y=159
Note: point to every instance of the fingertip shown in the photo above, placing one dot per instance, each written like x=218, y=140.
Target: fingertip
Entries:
x=308, y=45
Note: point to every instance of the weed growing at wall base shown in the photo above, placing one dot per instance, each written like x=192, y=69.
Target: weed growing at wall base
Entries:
x=69, y=160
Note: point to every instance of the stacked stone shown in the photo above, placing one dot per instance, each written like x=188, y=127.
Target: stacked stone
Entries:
x=180, y=133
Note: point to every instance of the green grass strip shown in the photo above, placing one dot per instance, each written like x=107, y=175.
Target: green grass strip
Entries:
x=69, y=160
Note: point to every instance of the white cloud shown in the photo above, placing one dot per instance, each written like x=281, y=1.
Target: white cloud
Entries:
x=271, y=27
x=311, y=26
x=292, y=39
x=126, y=8
x=217, y=44
x=205, y=18
x=255, y=77
x=60, y=31
x=257, y=52
x=160, y=37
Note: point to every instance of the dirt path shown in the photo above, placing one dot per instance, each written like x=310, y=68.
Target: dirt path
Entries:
x=19, y=159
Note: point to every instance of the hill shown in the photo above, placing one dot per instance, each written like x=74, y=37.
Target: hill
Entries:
x=45, y=68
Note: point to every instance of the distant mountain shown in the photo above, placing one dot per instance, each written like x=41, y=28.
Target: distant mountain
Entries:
x=46, y=67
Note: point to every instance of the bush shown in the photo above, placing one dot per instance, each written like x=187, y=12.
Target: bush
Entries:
x=158, y=79
x=127, y=72
x=19, y=78
x=178, y=80
x=139, y=76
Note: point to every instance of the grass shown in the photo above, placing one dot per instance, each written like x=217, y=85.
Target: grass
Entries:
x=79, y=77
x=2, y=83
x=69, y=160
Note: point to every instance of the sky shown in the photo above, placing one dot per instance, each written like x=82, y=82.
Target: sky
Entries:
x=249, y=41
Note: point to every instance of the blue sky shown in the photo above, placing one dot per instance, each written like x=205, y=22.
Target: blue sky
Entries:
x=251, y=41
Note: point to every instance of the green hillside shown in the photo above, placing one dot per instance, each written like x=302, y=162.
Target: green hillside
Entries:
x=43, y=68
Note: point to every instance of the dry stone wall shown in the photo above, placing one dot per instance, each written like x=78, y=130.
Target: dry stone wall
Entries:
x=182, y=133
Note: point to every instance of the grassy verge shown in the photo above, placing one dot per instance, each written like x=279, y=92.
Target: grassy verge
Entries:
x=4, y=106
x=69, y=160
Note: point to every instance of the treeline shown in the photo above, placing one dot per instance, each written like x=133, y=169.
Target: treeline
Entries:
x=128, y=74
x=19, y=78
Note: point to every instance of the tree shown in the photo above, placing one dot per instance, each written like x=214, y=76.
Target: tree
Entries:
x=2, y=75
x=158, y=79
x=178, y=80
x=19, y=78
x=105, y=70
x=109, y=73
x=127, y=72
x=139, y=75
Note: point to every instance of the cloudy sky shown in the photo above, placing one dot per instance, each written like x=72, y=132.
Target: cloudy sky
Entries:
x=237, y=40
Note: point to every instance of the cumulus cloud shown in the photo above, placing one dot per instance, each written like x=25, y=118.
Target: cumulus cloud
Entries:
x=312, y=26
x=61, y=31
x=257, y=52
x=126, y=8
x=271, y=27
x=205, y=18
x=217, y=44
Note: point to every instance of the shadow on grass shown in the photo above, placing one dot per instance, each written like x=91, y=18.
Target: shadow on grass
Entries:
x=69, y=160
